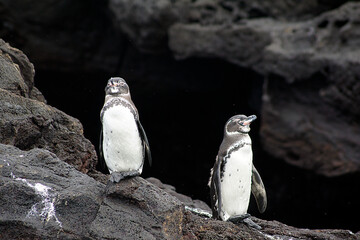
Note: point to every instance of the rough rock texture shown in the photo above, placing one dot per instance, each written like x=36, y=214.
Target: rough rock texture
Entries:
x=188, y=201
x=17, y=73
x=310, y=65
x=44, y=197
x=146, y=23
x=62, y=36
x=26, y=122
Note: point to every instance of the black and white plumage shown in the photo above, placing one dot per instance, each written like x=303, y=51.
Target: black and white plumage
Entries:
x=123, y=142
x=233, y=176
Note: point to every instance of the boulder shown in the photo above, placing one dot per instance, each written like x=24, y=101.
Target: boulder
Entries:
x=44, y=197
x=26, y=121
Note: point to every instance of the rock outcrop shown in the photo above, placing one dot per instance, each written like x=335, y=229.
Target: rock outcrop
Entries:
x=26, y=121
x=44, y=197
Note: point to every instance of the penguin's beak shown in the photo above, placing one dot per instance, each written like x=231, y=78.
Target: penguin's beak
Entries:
x=249, y=120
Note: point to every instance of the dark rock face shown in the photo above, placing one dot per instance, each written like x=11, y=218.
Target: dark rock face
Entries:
x=44, y=197
x=17, y=74
x=28, y=123
x=183, y=198
x=65, y=36
x=140, y=210
x=146, y=29
x=310, y=95
x=147, y=23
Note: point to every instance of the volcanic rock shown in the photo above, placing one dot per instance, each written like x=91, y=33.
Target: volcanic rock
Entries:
x=26, y=122
x=44, y=197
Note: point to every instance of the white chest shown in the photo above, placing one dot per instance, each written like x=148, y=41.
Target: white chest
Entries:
x=236, y=183
x=122, y=146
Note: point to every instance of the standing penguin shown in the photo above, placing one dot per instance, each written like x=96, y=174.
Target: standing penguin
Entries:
x=233, y=176
x=123, y=142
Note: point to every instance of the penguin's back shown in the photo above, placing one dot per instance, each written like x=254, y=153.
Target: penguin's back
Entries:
x=122, y=145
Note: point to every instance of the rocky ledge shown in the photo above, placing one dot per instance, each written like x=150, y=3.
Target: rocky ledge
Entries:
x=43, y=197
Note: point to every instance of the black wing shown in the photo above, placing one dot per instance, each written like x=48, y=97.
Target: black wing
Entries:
x=258, y=190
x=145, y=141
x=215, y=189
x=101, y=153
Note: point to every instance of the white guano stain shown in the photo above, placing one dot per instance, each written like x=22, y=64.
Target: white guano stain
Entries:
x=45, y=209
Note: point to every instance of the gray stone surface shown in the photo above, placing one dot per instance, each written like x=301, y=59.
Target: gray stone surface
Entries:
x=186, y=200
x=146, y=23
x=17, y=73
x=43, y=197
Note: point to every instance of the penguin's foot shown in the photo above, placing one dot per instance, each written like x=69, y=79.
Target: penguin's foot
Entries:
x=238, y=218
x=251, y=223
x=118, y=176
x=244, y=218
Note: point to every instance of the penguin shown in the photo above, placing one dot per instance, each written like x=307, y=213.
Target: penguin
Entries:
x=234, y=177
x=123, y=142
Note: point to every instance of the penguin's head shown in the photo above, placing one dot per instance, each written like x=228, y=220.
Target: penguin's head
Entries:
x=239, y=124
x=117, y=86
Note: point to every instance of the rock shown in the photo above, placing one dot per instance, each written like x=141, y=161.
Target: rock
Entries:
x=309, y=109
x=281, y=231
x=145, y=22
x=311, y=67
x=28, y=123
x=187, y=201
x=239, y=44
x=63, y=37
x=140, y=210
x=17, y=73
x=43, y=197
